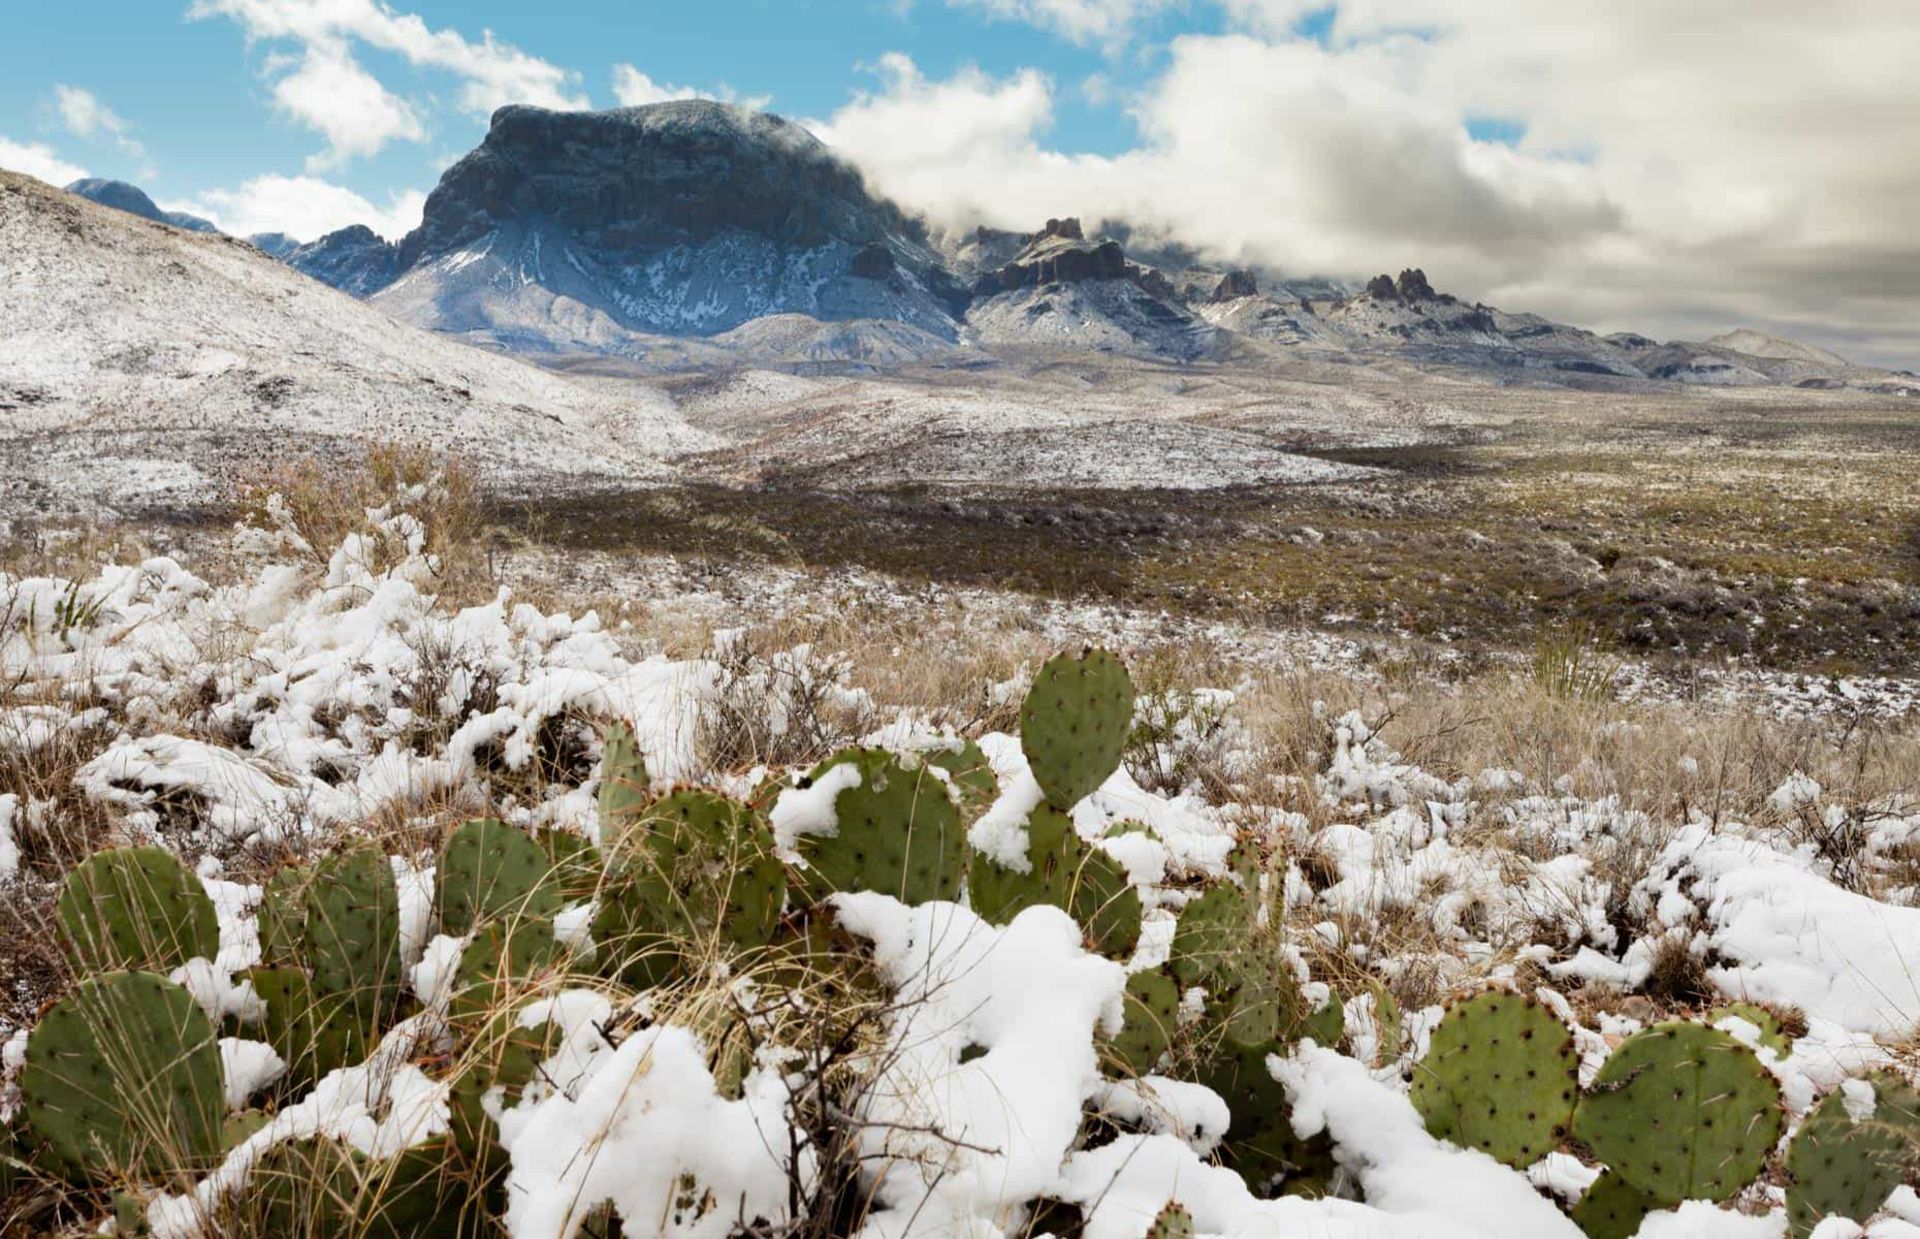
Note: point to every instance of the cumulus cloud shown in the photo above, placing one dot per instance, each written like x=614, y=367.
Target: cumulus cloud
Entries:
x=1314, y=169
x=37, y=159
x=493, y=73
x=303, y=207
x=86, y=117
x=633, y=89
x=326, y=88
x=332, y=94
x=1678, y=170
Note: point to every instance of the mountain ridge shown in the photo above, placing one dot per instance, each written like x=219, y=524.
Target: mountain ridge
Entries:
x=683, y=233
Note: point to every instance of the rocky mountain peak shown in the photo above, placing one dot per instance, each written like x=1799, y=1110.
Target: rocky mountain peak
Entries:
x=679, y=173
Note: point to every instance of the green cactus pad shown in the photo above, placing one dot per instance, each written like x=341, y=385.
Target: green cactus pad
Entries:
x=282, y=918
x=123, y=1077
x=1256, y=1000
x=1152, y=1016
x=898, y=833
x=135, y=907
x=1174, y=1222
x=624, y=788
x=1074, y=724
x=1326, y=1024
x=971, y=773
x=1066, y=873
x=1211, y=927
x=697, y=872
x=1841, y=1168
x=1501, y=1076
x=499, y=963
x=312, y=1034
x=1260, y=1143
x=1772, y=1034
x=352, y=935
x=577, y=866
x=1683, y=1112
x=1612, y=1208
x=320, y=1186
x=490, y=870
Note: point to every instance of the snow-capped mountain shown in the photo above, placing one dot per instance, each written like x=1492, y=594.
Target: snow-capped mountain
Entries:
x=691, y=234
x=571, y=231
x=147, y=363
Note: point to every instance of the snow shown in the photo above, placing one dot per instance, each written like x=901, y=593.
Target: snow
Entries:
x=966, y=1144
x=1404, y=1171
x=623, y=1125
x=1793, y=937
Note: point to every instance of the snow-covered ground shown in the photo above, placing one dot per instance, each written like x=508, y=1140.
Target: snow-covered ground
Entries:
x=295, y=702
x=145, y=366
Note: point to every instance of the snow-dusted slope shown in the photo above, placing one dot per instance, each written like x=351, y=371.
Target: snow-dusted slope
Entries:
x=1108, y=316
x=139, y=363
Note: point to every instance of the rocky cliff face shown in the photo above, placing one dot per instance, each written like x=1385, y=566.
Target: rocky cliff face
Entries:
x=354, y=260
x=575, y=229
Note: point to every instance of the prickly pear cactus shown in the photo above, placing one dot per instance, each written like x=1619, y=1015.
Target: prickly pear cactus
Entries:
x=971, y=774
x=312, y=1033
x=1074, y=724
x=1260, y=1143
x=1501, y=1076
x=321, y=1186
x=282, y=917
x=1683, y=1112
x=1844, y=1168
x=1612, y=1208
x=1211, y=928
x=1152, y=1016
x=1174, y=1222
x=624, y=789
x=498, y=964
x=1062, y=871
x=491, y=871
x=1772, y=1034
x=135, y=907
x=351, y=941
x=1255, y=999
x=696, y=872
x=898, y=834
x=123, y=1078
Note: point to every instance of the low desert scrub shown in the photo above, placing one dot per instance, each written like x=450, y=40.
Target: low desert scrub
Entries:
x=323, y=501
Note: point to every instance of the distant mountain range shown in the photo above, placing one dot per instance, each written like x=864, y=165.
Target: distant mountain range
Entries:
x=685, y=233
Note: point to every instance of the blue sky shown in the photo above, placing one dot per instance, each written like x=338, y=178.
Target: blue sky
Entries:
x=1623, y=164
x=194, y=91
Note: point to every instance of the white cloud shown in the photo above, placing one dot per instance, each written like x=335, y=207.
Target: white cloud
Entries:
x=86, y=117
x=1105, y=22
x=332, y=94
x=494, y=73
x=964, y=150
x=303, y=207
x=1676, y=170
x=633, y=89
x=36, y=159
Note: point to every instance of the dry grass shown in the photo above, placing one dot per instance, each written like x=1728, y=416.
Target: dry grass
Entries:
x=1553, y=719
x=323, y=502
